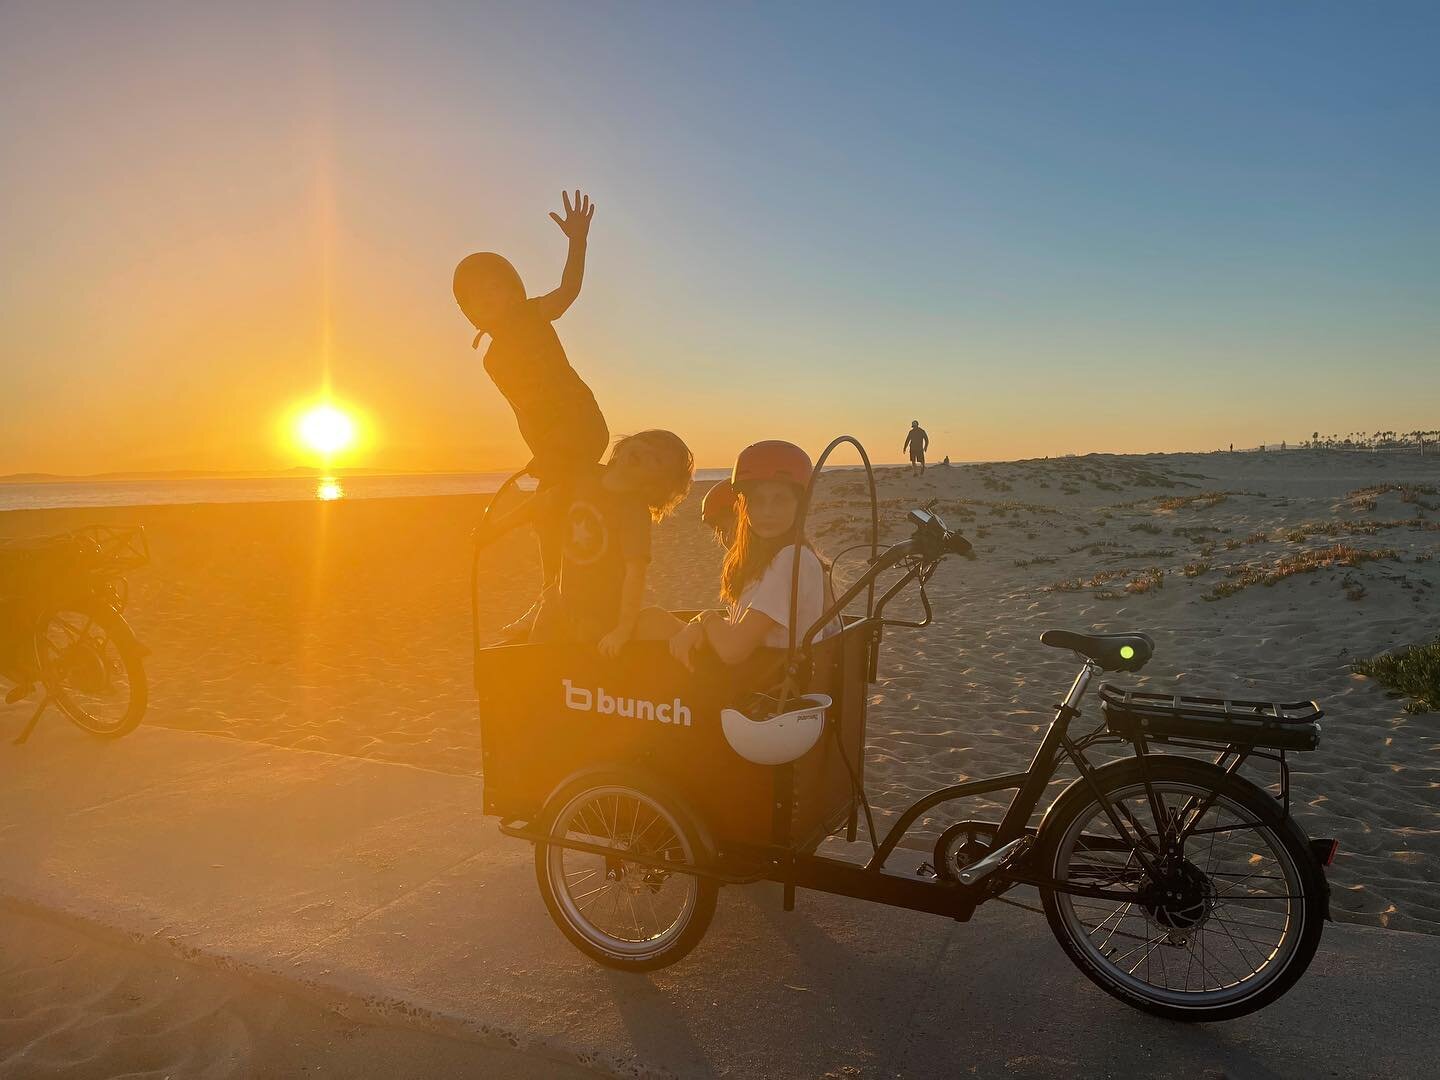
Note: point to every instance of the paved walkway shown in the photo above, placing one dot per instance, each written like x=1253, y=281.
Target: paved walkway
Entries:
x=381, y=890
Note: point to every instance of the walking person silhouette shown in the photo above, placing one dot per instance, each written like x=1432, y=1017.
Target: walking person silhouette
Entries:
x=916, y=442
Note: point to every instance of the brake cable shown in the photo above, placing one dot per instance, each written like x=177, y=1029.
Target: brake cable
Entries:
x=855, y=785
x=830, y=568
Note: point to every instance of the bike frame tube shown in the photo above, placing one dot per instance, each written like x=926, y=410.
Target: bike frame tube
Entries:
x=1030, y=784
x=935, y=798
x=1042, y=765
x=510, y=482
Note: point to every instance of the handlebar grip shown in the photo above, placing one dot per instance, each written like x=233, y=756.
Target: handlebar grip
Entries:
x=956, y=544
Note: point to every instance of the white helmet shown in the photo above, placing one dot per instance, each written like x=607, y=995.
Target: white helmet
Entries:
x=780, y=739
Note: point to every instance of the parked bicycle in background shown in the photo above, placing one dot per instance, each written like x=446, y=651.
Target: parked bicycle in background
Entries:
x=63, y=630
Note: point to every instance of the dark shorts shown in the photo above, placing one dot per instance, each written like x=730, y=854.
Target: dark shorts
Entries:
x=567, y=448
x=917, y=457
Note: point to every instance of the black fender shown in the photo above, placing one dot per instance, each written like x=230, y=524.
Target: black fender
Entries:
x=118, y=627
x=123, y=633
x=1131, y=765
x=126, y=632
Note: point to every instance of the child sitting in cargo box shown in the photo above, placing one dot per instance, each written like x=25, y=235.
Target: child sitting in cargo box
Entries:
x=769, y=481
x=717, y=510
x=600, y=522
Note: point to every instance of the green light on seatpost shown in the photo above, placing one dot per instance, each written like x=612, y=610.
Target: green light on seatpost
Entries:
x=1127, y=652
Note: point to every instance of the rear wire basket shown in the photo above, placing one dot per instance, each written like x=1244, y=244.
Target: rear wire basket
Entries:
x=118, y=547
x=1274, y=725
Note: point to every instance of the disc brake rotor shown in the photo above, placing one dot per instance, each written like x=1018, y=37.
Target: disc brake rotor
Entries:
x=1180, y=900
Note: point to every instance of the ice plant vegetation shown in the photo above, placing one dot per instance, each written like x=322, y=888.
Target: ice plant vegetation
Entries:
x=1413, y=673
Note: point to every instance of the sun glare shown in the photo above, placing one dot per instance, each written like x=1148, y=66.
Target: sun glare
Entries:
x=326, y=429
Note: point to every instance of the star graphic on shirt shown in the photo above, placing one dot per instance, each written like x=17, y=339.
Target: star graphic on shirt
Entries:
x=587, y=539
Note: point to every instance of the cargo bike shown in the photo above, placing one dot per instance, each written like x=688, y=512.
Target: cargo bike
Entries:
x=1173, y=882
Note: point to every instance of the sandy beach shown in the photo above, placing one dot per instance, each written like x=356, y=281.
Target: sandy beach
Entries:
x=345, y=627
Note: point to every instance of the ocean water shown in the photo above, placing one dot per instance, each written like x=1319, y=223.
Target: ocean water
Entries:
x=168, y=490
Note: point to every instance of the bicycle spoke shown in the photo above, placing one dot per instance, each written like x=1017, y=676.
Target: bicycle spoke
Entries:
x=1226, y=930
x=1147, y=941
x=1257, y=876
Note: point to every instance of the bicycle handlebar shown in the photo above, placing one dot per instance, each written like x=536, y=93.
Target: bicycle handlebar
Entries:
x=955, y=544
x=931, y=542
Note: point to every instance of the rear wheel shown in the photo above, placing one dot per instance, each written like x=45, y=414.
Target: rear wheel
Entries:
x=632, y=915
x=91, y=667
x=1229, y=920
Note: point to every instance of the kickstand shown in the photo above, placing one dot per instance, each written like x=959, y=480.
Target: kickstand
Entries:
x=34, y=719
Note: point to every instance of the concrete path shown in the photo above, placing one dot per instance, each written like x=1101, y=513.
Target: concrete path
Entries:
x=382, y=891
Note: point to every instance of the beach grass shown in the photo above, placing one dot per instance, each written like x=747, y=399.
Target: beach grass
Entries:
x=1203, y=501
x=1412, y=672
x=1153, y=578
x=1303, y=562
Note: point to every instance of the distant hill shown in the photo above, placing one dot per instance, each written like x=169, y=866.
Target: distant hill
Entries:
x=194, y=474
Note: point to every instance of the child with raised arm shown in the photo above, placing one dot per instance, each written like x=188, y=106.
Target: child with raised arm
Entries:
x=556, y=412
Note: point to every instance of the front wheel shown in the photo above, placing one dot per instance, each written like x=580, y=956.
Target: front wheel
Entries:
x=1227, y=918
x=636, y=916
x=91, y=666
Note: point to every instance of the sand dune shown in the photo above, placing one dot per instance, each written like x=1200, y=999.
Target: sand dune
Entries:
x=346, y=626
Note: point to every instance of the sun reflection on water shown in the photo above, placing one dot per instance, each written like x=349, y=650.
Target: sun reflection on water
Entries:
x=329, y=490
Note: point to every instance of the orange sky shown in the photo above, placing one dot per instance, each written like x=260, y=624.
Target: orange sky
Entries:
x=210, y=215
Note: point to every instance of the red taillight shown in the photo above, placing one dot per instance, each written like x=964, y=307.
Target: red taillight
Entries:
x=1324, y=850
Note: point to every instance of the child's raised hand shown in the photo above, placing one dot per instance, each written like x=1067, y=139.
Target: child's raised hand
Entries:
x=576, y=222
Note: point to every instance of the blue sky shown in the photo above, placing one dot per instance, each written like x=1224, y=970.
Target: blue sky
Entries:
x=1039, y=228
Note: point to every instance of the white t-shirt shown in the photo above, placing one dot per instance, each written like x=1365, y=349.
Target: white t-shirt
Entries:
x=769, y=594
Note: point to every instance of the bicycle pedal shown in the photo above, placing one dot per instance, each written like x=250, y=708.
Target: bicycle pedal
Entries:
x=925, y=870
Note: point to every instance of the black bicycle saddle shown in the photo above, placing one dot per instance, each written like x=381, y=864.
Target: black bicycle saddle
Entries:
x=1113, y=652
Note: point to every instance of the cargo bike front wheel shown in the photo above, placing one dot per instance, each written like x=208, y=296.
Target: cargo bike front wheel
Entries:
x=607, y=882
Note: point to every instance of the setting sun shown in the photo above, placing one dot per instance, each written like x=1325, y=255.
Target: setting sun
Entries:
x=326, y=429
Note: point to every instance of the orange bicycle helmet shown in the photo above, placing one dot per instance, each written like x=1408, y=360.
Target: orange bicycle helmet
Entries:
x=772, y=459
x=717, y=509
